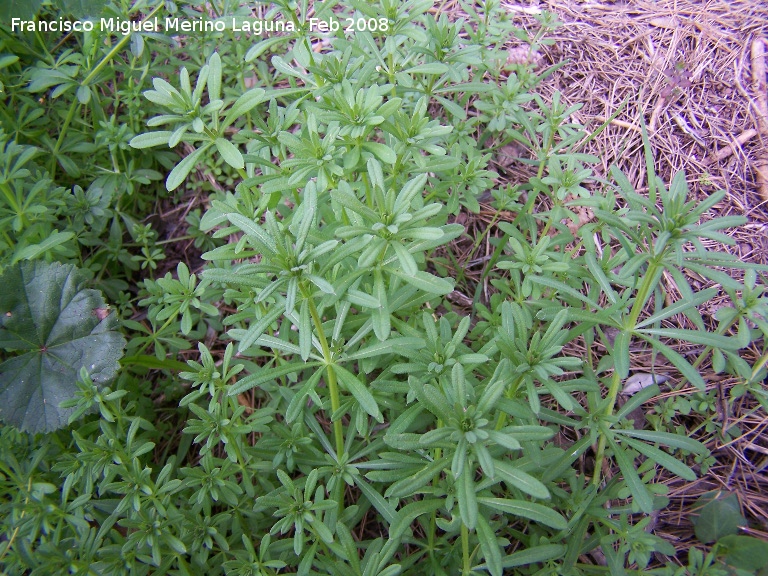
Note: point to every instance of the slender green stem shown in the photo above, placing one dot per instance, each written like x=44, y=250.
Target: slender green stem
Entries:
x=548, y=148
x=230, y=404
x=172, y=240
x=333, y=389
x=391, y=73
x=613, y=389
x=16, y=530
x=644, y=290
x=119, y=46
x=91, y=75
x=41, y=41
x=502, y=419
x=67, y=122
x=163, y=327
x=467, y=569
x=433, y=519
x=333, y=385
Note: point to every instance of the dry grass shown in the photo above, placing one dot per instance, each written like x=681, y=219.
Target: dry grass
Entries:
x=684, y=68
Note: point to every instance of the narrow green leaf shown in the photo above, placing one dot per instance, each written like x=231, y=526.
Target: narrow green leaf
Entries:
x=230, y=153
x=389, y=346
x=642, y=497
x=31, y=252
x=678, y=361
x=359, y=298
x=519, y=479
x=637, y=400
x=534, y=555
x=621, y=354
x=569, y=457
x=321, y=283
x=268, y=374
x=359, y=391
x=253, y=230
x=256, y=329
x=409, y=513
x=495, y=388
x=406, y=260
x=680, y=306
x=434, y=399
x=425, y=282
x=430, y=68
x=309, y=212
x=305, y=331
x=214, y=76
x=183, y=168
x=383, y=507
x=662, y=459
x=298, y=402
x=667, y=439
x=489, y=546
x=267, y=341
x=260, y=47
x=404, y=441
x=405, y=419
x=381, y=151
x=505, y=440
x=414, y=187
x=524, y=433
x=599, y=275
x=380, y=315
x=565, y=289
x=151, y=139
x=244, y=104
x=410, y=485
x=467, y=497
x=695, y=337
x=530, y=510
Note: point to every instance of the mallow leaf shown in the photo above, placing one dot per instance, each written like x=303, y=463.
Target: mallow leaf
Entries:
x=81, y=9
x=24, y=9
x=50, y=328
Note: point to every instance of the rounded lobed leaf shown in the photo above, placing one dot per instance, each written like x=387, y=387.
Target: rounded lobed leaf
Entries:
x=55, y=327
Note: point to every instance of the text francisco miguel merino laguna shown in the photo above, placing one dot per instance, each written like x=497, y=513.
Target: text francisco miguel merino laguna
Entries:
x=123, y=26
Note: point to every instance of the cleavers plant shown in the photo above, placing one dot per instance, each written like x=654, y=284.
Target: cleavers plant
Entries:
x=342, y=417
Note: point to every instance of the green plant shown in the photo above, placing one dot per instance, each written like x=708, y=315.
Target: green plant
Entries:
x=340, y=417
x=56, y=329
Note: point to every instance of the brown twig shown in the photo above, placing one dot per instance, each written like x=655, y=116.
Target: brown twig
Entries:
x=723, y=153
x=620, y=124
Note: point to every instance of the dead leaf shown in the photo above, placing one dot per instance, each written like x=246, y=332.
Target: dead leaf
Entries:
x=100, y=313
x=641, y=380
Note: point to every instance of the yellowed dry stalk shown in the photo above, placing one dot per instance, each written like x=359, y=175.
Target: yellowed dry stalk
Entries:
x=761, y=103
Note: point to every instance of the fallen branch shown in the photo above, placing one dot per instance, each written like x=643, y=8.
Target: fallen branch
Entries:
x=732, y=147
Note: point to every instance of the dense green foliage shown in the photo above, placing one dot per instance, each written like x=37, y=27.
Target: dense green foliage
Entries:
x=341, y=417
